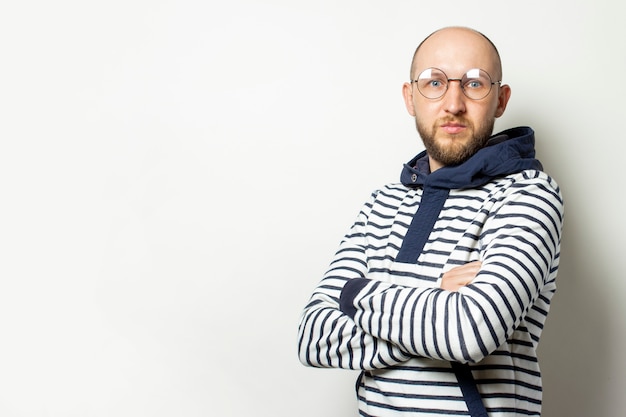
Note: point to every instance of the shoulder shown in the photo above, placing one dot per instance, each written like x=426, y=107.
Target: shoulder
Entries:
x=524, y=180
x=535, y=192
x=538, y=182
x=534, y=176
x=392, y=192
x=389, y=197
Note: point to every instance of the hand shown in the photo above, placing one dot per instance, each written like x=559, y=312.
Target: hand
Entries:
x=460, y=276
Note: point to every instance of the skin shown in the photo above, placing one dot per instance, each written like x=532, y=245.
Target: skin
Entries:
x=454, y=127
x=460, y=276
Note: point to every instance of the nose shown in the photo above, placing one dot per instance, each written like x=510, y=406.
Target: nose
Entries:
x=454, y=98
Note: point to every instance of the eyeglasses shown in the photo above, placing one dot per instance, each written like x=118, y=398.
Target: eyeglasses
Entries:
x=433, y=83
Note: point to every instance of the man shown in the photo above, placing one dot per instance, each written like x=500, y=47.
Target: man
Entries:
x=440, y=290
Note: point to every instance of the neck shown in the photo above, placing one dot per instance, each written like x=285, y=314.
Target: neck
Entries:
x=434, y=165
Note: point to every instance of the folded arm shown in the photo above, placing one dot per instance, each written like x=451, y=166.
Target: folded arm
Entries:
x=520, y=247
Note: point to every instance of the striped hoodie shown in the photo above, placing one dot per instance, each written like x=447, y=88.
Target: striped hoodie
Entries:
x=379, y=308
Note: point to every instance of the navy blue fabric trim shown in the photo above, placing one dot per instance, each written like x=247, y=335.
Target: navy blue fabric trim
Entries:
x=468, y=388
x=348, y=292
x=422, y=224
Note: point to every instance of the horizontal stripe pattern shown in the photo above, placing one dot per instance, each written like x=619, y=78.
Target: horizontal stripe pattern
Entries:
x=406, y=329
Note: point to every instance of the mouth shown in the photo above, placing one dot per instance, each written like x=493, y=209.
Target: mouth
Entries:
x=453, y=128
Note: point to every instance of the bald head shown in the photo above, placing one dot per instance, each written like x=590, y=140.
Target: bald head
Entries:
x=447, y=43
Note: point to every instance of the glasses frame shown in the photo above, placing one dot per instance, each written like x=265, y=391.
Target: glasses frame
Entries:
x=460, y=80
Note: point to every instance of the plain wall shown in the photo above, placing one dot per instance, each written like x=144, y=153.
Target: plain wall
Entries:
x=175, y=176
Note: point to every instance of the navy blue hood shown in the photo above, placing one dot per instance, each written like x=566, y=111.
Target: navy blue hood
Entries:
x=508, y=152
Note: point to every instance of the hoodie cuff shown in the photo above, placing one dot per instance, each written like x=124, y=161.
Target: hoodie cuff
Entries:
x=349, y=293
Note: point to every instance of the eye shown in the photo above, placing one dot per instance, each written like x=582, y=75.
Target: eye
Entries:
x=435, y=83
x=474, y=84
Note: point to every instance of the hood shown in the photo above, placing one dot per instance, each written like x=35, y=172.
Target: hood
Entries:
x=508, y=152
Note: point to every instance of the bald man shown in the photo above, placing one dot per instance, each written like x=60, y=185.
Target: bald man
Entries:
x=439, y=291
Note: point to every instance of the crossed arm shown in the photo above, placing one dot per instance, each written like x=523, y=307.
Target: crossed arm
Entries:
x=359, y=323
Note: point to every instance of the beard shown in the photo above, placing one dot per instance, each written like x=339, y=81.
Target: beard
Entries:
x=462, y=147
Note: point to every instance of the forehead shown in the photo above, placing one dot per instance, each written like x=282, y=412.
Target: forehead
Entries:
x=455, y=50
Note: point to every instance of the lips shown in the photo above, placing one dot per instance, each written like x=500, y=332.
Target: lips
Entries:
x=453, y=128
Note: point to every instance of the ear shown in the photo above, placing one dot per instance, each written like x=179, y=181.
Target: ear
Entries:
x=407, y=93
x=503, y=99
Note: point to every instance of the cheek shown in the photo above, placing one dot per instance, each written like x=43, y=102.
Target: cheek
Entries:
x=484, y=112
x=426, y=110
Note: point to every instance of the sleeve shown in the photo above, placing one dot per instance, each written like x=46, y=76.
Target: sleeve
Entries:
x=327, y=337
x=520, y=250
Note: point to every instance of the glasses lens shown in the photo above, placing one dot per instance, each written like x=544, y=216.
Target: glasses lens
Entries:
x=476, y=84
x=432, y=83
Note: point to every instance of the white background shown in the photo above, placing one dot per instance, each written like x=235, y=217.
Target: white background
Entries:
x=176, y=175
